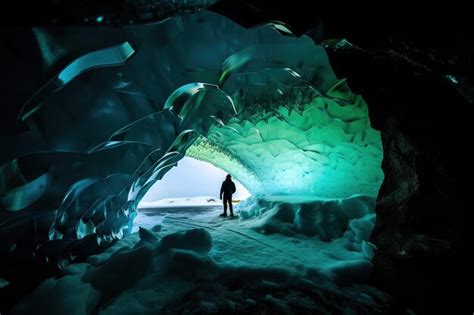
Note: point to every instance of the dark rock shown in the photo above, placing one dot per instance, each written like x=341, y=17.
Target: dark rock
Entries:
x=423, y=203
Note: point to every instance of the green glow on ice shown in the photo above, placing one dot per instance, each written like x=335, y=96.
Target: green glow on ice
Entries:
x=324, y=147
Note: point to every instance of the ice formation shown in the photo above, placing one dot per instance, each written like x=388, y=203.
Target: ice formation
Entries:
x=298, y=143
x=259, y=103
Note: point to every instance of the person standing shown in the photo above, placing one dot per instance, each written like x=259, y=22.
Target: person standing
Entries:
x=227, y=189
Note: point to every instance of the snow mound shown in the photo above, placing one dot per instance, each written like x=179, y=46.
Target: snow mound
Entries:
x=198, y=240
x=327, y=218
x=67, y=295
x=182, y=256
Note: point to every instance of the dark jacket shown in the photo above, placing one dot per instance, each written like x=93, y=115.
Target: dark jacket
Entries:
x=227, y=188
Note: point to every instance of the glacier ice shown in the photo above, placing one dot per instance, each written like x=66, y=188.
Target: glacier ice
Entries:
x=106, y=57
x=264, y=106
x=321, y=146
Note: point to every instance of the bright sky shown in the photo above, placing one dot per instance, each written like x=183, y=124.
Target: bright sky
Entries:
x=192, y=178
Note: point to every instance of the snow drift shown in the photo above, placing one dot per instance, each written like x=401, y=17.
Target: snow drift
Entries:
x=150, y=273
x=326, y=218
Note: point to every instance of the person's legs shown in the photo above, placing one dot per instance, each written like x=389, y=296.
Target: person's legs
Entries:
x=225, y=205
x=230, y=207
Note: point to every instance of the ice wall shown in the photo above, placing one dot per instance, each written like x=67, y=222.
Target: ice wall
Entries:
x=131, y=101
x=299, y=143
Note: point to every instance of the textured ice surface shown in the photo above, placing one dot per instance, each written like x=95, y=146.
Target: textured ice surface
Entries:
x=263, y=106
x=299, y=144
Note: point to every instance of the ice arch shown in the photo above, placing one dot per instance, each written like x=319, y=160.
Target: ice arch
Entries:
x=262, y=105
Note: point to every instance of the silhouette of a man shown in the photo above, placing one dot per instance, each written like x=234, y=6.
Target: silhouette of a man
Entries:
x=227, y=189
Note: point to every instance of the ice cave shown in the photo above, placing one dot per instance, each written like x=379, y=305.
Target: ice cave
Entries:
x=334, y=166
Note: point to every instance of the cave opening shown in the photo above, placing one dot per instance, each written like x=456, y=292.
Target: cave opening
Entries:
x=191, y=178
x=189, y=189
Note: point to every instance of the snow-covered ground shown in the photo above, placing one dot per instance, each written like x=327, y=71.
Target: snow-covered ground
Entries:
x=203, y=201
x=190, y=260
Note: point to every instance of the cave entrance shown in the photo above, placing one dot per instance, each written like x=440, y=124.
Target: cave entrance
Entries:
x=191, y=179
x=192, y=187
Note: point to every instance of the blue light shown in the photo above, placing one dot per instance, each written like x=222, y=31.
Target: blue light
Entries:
x=110, y=56
x=99, y=19
x=452, y=78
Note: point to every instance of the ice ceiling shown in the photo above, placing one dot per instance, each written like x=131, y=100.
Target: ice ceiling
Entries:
x=132, y=101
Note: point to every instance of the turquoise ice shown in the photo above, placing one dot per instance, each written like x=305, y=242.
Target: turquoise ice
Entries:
x=259, y=103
